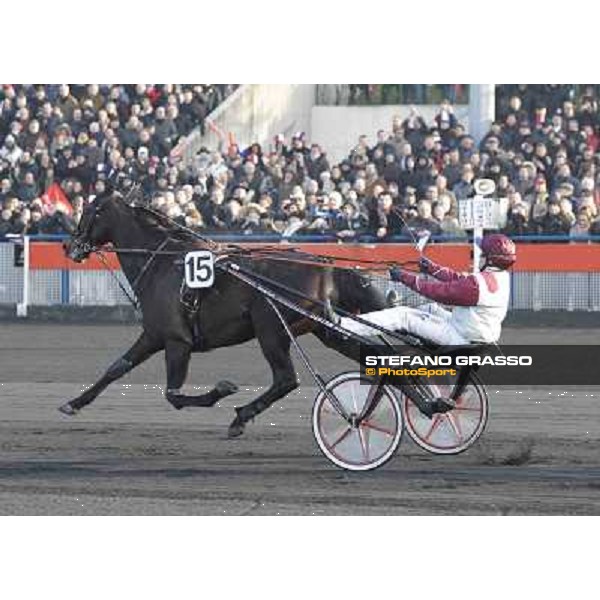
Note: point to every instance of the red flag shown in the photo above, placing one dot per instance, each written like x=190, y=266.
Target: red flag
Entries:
x=56, y=198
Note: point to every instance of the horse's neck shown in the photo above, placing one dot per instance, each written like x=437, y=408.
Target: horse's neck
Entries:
x=134, y=236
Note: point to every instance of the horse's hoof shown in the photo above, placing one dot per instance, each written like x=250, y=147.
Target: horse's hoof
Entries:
x=236, y=428
x=174, y=402
x=67, y=409
x=226, y=388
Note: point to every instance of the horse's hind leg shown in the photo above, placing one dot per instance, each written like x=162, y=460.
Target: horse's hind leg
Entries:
x=143, y=348
x=177, y=356
x=275, y=345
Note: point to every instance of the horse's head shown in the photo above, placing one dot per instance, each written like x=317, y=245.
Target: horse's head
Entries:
x=97, y=227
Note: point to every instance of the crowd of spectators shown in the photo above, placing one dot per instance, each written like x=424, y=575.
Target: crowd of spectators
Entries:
x=79, y=135
x=542, y=152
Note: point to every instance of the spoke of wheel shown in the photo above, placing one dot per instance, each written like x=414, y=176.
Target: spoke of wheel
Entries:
x=455, y=426
x=330, y=410
x=461, y=399
x=435, y=390
x=434, y=426
x=353, y=398
x=333, y=413
x=370, y=425
x=466, y=409
x=341, y=438
x=363, y=436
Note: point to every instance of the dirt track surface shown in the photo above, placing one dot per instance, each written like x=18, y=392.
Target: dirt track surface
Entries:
x=131, y=453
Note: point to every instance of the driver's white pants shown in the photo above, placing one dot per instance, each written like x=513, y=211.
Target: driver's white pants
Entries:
x=430, y=321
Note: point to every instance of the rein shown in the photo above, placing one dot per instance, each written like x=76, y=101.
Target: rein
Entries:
x=133, y=301
x=317, y=260
x=229, y=251
x=266, y=284
x=290, y=255
x=135, y=285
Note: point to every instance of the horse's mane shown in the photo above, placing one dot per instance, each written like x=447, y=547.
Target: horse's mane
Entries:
x=152, y=219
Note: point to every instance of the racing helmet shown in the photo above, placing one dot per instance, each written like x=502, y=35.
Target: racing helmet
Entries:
x=498, y=250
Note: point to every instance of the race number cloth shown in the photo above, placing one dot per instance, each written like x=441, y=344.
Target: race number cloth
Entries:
x=199, y=269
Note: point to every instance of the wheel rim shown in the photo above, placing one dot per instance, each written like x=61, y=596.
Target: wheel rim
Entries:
x=357, y=447
x=451, y=432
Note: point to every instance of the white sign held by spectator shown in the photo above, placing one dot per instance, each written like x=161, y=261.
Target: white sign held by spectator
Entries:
x=478, y=212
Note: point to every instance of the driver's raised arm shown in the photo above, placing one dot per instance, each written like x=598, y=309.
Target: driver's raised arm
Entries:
x=461, y=291
x=441, y=273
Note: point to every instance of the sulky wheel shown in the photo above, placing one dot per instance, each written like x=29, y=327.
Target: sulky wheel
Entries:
x=363, y=431
x=452, y=432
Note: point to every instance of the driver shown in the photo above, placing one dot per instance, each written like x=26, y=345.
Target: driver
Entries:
x=479, y=301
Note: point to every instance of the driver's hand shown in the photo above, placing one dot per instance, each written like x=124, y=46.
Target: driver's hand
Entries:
x=396, y=274
x=425, y=265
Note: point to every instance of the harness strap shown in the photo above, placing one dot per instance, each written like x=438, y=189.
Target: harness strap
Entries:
x=134, y=302
x=135, y=285
x=148, y=263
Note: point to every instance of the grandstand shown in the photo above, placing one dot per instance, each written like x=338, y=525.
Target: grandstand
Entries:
x=200, y=161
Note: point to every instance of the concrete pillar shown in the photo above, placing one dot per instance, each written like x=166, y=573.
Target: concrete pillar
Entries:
x=482, y=109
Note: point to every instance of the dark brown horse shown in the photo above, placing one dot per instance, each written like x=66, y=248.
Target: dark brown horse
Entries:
x=229, y=313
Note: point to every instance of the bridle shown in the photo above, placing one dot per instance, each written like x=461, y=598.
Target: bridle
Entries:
x=88, y=248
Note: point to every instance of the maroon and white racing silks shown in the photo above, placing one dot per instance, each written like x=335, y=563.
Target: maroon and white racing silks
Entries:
x=449, y=287
x=480, y=299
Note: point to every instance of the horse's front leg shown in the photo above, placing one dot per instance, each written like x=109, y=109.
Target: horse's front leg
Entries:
x=177, y=357
x=143, y=348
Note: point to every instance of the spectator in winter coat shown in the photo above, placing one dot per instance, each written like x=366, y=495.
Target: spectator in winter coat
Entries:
x=383, y=220
x=564, y=176
x=453, y=168
x=165, y=131
x=10, y=152
x=445, y=120
x=518, y=220
x=28, y=189
x=554, y=222
x=316, y=162
x=6, y=222
x=581, y=226
x=448, y=224
x=464, y=188
x=351, y=222
x=66, y=102
x=424, y=221
x=595, y=227
x=414, y=127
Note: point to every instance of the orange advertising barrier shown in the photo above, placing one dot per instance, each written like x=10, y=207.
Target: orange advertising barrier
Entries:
x=46, y=256
x=531, y=257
